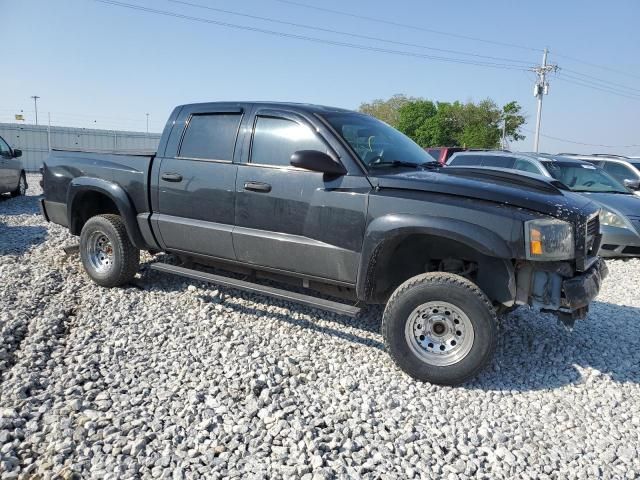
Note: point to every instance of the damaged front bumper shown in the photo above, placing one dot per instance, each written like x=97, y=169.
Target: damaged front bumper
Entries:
x=557, y=288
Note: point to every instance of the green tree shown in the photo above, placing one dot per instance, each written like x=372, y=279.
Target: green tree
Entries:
x=513, y=121
x=386, y=110
x=474, y=125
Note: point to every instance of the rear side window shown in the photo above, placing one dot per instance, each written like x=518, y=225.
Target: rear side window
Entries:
x=498, y=161
x=526, y=166
x=276, y=139
x=466, y=160
x=211, y=136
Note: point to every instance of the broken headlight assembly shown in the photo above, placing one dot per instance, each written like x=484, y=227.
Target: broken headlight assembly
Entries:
x=549, y=239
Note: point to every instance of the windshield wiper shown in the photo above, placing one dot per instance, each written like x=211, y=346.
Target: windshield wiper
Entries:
x=601, y=191
x=400, y=163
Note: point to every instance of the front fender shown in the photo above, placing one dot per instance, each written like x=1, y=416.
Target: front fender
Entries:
x=386, y=232
x=111, y=190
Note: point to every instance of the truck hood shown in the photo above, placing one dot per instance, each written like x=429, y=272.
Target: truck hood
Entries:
x=627, y=204
x=531, y=192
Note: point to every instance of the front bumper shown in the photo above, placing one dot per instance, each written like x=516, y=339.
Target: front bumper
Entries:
x=557, y=288
x=619, y=242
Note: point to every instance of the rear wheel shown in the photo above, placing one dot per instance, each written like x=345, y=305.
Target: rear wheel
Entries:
x=440, y=328
x=21, y=189
x=107, y=254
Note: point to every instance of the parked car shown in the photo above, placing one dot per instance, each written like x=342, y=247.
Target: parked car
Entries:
x=12, y=176
x=338, y=202
x=442, y=154
x=624, y=169
x=620, y=214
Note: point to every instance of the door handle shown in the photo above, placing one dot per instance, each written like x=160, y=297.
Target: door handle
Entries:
x=257, y=187
x=171, y=177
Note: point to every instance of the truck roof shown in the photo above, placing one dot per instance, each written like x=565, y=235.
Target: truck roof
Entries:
x=309, y=107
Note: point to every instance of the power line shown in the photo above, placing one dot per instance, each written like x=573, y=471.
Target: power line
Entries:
x=600, y=80
x=310, y=39
x=582, y=143
x=450, y=34
x=350, y=34
x=405, y=25
x=586, y=84
x=595, y=65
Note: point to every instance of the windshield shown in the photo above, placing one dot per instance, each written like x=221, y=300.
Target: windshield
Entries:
x=376, y=143
x=635, y=163
x=583, y=177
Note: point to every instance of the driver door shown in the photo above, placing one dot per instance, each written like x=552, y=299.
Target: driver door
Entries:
x=295, y=220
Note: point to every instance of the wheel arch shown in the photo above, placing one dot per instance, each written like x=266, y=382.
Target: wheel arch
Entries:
x=395, y=245
x=87, y=197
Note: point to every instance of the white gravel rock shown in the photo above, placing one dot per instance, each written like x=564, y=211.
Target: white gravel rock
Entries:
x=180, y=380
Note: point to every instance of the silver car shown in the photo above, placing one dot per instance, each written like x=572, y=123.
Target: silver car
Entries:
x=625, y=169
x=620, y=214
x=12, y=177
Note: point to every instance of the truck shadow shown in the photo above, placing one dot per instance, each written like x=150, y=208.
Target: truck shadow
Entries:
x=27, y=205
x=18, y=239
x=534, y=351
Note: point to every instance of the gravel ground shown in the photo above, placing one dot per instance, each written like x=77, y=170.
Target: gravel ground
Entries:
x=178, y=379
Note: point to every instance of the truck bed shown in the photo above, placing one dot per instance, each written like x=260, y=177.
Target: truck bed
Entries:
x=129, y=170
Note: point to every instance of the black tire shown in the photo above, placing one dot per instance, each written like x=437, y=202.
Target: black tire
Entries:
x=117, y=258
x=21, y=189
x=465, y=297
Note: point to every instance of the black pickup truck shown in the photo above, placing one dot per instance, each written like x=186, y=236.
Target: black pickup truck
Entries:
x=345, y=207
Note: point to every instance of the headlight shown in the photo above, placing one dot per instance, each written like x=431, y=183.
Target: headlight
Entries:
x=612, y=219
x=549, y=239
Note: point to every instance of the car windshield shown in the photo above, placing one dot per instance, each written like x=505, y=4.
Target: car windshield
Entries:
x=584, y=177
x=635, y=163
x=377, y=144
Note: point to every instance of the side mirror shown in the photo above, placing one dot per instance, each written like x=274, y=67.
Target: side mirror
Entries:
x=317, y=161
x=632, y=184
x=17, y=153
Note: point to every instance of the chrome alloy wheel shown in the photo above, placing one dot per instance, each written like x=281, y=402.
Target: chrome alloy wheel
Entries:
x=22, y=185
x=439, y=333
x=99, y=252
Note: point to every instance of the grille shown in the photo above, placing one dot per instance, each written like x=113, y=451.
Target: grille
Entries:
x=593, y=229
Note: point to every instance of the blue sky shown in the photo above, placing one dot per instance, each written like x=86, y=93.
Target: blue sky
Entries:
x=106, y=66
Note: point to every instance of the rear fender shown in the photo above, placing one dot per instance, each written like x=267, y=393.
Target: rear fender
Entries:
x=113, y=191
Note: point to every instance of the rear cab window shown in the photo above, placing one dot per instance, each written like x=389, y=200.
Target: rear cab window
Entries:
x=211, y=136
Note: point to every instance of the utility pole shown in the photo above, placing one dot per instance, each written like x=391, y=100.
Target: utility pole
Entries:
x=147, y=124
x=35, y=103
x=540, y=89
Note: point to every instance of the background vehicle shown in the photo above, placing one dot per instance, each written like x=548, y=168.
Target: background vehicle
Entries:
x=12, y=177
x=442, y=154
x=620, y=214
x=625, y=170
x=338, y=202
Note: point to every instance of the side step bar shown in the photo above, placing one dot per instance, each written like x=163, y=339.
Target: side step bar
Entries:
x=309, y=300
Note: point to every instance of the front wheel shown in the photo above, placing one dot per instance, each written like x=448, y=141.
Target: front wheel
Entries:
x=21, y=189
x=440, y=328
x=107, y=254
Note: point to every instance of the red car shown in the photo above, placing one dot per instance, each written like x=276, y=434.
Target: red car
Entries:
x=442, y=154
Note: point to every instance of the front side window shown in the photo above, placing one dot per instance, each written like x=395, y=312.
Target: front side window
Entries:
x=211, y=136
x=5, y=151
x=619, y=171
x=276, y=139
x=526, y=166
